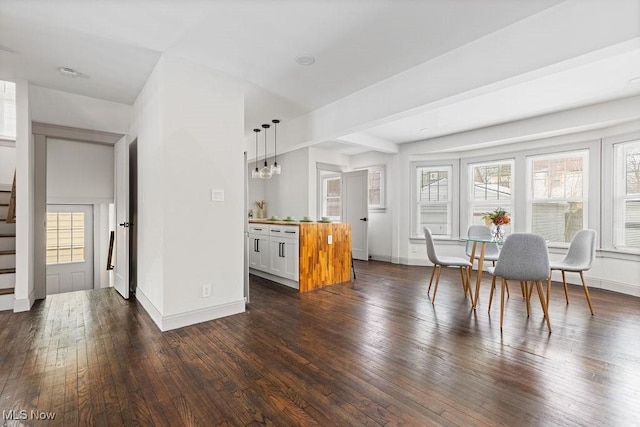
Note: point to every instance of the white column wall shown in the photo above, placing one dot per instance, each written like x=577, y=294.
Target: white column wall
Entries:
x=24, y=288
x=190, y=140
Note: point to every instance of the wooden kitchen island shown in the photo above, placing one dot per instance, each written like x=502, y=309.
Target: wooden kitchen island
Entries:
x=302, y=255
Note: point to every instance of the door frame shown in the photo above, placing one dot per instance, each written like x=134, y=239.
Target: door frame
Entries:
x=41, y=132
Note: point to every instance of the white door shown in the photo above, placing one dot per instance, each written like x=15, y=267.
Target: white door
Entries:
x=355, y=211
x=121, y=269
x=69, y=248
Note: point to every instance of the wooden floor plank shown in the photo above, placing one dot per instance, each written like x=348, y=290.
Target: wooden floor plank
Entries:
x=369, y=353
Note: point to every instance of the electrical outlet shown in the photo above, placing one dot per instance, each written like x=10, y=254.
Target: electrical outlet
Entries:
x=330, y=239
x=206, y=290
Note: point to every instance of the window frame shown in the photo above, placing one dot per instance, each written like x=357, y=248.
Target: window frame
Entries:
x=323, y=197
x=490, y=205
x=453, y=167
x=586, y=198
x=380, y=207
x=619, y=196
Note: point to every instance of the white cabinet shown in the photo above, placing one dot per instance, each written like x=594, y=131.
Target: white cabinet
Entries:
x=273, y=249
x=259, y=250
x=284, y=251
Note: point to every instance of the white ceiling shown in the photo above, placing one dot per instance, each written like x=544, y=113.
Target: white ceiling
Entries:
x=356, y=43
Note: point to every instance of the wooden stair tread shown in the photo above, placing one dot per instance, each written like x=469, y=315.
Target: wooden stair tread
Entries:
x=8, y=252
x=7, y=235
x=7, y=270
x=6, y=291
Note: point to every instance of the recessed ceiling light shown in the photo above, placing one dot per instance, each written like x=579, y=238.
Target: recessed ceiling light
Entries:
x=68, y=72
x=634, y=81
x=305, y=60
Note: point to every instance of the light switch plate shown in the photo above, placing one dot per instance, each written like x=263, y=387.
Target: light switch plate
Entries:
x=217, y=195
x=330, y=239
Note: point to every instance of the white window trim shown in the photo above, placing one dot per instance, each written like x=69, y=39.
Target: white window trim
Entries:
x=614, y=217
x=468, y=220
x=454, y=183
x=323, y=198
x=586, y=179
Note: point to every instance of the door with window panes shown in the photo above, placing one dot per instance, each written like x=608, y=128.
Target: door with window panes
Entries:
x=69, y=248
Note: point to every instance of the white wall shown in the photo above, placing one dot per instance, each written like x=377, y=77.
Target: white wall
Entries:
x=24, y=289
x=79, y=172
x=199, y=148
x=380, y=221
x=67, y=109
x=7, y=165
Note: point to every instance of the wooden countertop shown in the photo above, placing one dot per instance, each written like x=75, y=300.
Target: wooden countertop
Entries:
x=283, y=222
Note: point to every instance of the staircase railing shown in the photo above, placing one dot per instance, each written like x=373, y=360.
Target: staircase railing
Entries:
x=11, y=212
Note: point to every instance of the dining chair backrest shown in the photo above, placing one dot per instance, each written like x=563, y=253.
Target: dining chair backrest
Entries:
x=431, y=247
x=524, y=256
x=491, y=249
x=582, y=250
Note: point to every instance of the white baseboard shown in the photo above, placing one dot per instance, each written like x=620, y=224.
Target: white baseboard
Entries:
x=175, y=321
x=181, y=320
x=148, y=306
x=24, y=304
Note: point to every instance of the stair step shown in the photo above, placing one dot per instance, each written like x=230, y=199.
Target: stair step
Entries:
x=7, y=235
x=7, y=291
x=7, y=270
x=8, y=252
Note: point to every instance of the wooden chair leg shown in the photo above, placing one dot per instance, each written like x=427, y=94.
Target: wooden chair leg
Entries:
x=504, y=284
x=544, y=306
x=528, y=299
x=564, y=283
x=586, y=292
x=435, y=288
x=493, y=287
x=508, y=296
x=464, y=282
x=522, y=288
x=433, y=270
x=548, y=291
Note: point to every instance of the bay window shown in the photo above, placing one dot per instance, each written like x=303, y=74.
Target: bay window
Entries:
x=433, y=200
x=627, y=195
x=491, y=188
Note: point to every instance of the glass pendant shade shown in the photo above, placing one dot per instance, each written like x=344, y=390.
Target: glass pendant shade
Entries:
x=276, y=169
x=265, y=172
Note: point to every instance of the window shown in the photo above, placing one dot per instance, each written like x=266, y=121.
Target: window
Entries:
x=65, y=237
x=7, y=110
x=627, y=195
x=376, y=187
x=331, y=196
x=491, y=188
x=558, y=195
x=433, y=207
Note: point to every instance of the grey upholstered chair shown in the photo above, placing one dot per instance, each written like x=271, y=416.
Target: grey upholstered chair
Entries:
x=579, y=258
x=523, y=257
x=445, y=261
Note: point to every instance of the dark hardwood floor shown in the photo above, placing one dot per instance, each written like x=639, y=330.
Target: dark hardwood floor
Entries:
x=373, y=352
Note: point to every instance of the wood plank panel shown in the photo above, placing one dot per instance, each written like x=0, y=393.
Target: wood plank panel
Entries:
x=322, y=264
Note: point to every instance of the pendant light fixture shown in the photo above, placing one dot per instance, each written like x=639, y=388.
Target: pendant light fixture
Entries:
x=256, y=173
x=265, y=172
x=276, y=169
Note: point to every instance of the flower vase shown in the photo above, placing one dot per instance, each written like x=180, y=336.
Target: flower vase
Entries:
x=497, y=232
x=261, y=213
